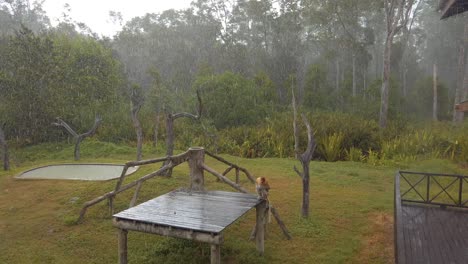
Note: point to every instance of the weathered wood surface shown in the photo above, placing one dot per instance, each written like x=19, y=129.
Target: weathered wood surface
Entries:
x=197, y=178
x=224, y=179
x=123, y=246
x=131, y=225
x=215, y=254
x=209, y=212
x=231, y=166
x=260, y=226
x=433, y=235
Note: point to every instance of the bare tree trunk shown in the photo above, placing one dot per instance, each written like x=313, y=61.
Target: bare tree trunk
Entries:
x=385, y=82
x=459, y=91
x=156, y=129
x=304, y=158
x=138, y=130
x=354, y=76
x=434, y=88
x=170, y=136
x=5, y=154
x=463, y=75
x=79, y=137
x=337, y=84
x=397, y=15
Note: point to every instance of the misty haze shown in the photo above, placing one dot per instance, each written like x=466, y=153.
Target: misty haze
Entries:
x=338, y=120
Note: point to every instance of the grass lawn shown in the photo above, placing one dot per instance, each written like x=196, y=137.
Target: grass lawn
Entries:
x=351, y=212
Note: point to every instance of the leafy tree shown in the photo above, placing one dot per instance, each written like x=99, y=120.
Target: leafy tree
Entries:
x=231, y=100
x=48, y=76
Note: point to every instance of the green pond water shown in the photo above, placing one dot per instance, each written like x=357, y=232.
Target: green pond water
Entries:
x=86, y=172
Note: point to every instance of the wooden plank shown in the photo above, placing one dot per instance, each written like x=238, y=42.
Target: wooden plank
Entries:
x=204, y=237
x=260, y=227
x=197, y=179
x=435, y=235
x=123, y=246
x=200, y=211
x=215, y=254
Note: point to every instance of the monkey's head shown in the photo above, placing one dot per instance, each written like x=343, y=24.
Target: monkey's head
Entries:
x=261, y=180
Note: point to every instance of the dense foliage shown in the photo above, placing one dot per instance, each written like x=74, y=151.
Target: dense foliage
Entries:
x=244, y=57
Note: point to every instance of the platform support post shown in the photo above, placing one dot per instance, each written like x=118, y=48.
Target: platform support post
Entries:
x=260, y=226
x=197, y=180
x=123, y=246
x=215, y=254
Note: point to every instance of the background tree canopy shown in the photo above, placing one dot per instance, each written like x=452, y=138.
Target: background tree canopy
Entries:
x=244, y=56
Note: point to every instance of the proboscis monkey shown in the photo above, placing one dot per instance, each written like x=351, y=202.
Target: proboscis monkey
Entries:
x=262, y=187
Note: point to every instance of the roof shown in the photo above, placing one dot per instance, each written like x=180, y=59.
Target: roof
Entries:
x=452, y=7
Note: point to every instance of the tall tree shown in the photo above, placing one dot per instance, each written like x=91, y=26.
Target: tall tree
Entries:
x=397, y=15
x=461, y=91
x=170, y=136
x=305, y=157
x=4, y=146
x=137, y=100
x=78, y=137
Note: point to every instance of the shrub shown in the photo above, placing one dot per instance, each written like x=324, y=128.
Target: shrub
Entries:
x=330, y=146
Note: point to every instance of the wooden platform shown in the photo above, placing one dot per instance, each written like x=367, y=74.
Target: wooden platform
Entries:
x=199, y=216
x=431, y=218
x=209, y=212
x=434, y=235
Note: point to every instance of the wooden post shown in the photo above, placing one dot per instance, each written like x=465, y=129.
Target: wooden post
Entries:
x=123, y=246
x=135, y=195
x=111, y=205
x=237, y=176
x=215, y=254
x=260, y=226
x=197, y=157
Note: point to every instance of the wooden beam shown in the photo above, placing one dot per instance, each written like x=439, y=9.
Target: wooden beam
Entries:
x=123, y=246
x=216, y=239
x=224, y=179
x=135, y=195
x=260, y=227
x=197, y=179
x=215, y=254
x=111, y=194
x=245, y=171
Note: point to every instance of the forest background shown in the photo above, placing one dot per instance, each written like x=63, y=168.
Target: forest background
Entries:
x=244, y=57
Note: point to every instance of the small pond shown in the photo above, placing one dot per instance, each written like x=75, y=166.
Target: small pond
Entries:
x=85, y=172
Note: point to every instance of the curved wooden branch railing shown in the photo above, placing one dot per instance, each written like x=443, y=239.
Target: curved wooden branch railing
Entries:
x=195, y=158
x=224, y=179
x=232, y=166
x=173, y=162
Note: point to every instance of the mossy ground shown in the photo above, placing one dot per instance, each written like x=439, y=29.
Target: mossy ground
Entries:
x=351, y=213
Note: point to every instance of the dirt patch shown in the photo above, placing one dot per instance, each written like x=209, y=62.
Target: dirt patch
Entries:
x=377, y=245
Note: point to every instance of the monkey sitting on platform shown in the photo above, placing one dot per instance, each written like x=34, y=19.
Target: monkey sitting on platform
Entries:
x=262, y=187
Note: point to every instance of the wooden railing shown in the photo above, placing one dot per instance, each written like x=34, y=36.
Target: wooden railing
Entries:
x=431, y=188
x=425, y=188
x=173, y=161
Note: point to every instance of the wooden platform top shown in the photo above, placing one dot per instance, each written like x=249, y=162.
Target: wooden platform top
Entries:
x=433, y=235
x=209, y=212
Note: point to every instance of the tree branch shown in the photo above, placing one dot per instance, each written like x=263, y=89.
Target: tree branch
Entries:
x=63, y=124
x=307, y=155
x=92, y=131
x=296, y=130
x=188, y=115
x=298, y=172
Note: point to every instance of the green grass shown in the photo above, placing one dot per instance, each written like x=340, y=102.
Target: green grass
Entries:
x=350, y=221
